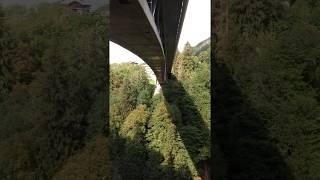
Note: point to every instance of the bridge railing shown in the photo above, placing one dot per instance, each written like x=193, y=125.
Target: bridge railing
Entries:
x=164, y=21
x=156, y=9
x=152, y=5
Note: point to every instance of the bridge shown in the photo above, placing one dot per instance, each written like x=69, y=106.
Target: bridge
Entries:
x=150, y=29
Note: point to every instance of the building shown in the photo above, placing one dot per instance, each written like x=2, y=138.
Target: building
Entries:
x=79, y=6
x=131, y=62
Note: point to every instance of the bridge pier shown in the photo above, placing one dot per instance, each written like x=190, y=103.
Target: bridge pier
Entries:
x=169, y=75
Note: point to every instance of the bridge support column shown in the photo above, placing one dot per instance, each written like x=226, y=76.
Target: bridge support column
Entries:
x=165, y=74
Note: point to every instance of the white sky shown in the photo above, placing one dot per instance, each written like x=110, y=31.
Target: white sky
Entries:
x=196, y=28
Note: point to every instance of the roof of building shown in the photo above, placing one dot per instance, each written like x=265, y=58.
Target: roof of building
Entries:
x=83, y=2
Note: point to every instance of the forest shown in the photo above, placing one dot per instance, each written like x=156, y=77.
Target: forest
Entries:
x=266, y=81
x=166, y=135
x=58, y=121
x=53, y=93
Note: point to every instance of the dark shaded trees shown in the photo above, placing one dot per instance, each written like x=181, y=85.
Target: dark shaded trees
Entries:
x=272, y=59
x=52, y=76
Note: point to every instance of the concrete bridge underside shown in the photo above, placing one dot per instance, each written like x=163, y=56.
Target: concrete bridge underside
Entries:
x=150, y=29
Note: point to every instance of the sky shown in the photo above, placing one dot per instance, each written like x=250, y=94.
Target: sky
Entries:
x=196, y=28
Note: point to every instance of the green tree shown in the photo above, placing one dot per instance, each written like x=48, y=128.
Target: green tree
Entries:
x=164, y=138
x=272, y=58
x=52, y=77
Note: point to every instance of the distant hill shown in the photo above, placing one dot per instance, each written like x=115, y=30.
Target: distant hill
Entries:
x=94, y=3
x=202, y=46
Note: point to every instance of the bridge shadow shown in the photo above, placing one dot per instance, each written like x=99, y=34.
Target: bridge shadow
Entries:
x=191, y=127
x=246, y=149
x=132, y=160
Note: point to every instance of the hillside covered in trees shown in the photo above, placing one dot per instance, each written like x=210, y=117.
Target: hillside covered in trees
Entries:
x=53, y=93
x=266, y=82
x=165, y=136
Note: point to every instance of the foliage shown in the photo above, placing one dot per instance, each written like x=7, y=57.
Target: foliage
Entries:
x=165, y=136
x=90, y=163
x=272, y=59
x=52, y=78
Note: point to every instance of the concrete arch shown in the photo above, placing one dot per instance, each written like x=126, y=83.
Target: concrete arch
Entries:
x=150, y=29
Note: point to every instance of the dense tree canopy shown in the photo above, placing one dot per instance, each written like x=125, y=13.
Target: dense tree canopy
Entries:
x=53, y=82
x=162, y=136
x=267, y=79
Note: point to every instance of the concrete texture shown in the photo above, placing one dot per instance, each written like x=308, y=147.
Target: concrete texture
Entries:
x=133, y=27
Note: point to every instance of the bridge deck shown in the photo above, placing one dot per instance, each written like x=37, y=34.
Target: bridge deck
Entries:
x=150, y=29
x=131, y=28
